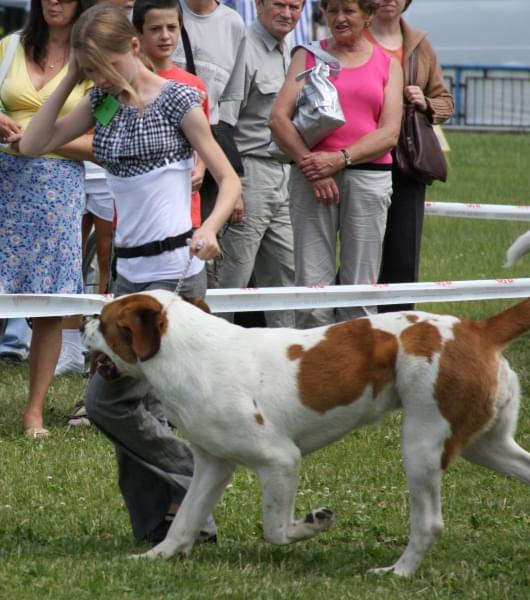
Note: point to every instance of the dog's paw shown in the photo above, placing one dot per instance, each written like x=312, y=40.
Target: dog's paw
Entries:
x=320, y=518
x=392, y=569
x=164, y=550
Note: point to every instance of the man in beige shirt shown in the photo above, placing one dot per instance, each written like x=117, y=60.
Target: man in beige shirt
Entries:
x=263, y=243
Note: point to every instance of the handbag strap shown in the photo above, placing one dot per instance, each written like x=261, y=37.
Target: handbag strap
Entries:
x=316, y=49
x=413, y=67
x=190, y=63
x=9, y=55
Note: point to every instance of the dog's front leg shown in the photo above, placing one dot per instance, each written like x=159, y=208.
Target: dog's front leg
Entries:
x=279, y=482
x=211, y=475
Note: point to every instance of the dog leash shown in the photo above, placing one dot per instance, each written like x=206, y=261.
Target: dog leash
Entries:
x=180, y=282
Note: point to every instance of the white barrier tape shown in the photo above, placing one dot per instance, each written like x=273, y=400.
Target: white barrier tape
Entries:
x=13, y=306
x=283, y=298
x=478, y=211
x=364, y=295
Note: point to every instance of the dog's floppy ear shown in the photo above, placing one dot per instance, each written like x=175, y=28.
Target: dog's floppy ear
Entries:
x=145, y=322
x=198, y=303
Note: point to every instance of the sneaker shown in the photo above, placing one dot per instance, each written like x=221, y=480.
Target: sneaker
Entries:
x=11, y=357
x=71, y=360
x=78, y=416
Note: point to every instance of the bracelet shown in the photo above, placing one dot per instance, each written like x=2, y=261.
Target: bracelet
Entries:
x=347, y=158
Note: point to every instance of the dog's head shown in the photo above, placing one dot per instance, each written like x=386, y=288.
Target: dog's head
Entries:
x=130, y=329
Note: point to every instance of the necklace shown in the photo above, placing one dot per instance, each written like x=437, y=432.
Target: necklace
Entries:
x=55, y=63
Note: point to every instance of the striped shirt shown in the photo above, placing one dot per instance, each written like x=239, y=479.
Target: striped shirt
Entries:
x=303, y=32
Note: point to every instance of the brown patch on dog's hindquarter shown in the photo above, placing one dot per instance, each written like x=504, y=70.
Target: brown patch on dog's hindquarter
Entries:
x=466, y=386
x=259, y=419
x=336, y=371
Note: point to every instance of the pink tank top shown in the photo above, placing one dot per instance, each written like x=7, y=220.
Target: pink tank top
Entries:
x=361, y=95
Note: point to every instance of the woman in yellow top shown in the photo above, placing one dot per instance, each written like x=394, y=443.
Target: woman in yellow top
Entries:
x=41, y=199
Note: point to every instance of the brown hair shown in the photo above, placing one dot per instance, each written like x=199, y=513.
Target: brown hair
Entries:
x=104, y=29
x=368, y=7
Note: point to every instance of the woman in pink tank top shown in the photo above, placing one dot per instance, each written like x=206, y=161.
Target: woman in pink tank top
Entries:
x=340, y=189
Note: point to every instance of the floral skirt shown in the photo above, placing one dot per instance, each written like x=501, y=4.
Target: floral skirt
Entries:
x=41, y=205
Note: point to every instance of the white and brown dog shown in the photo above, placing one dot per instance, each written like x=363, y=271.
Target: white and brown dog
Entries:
x=265, y=397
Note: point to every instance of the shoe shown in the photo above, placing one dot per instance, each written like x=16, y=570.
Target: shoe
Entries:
x=71, y=360
x=36, y=433
x=78, y=416
x=11, y=357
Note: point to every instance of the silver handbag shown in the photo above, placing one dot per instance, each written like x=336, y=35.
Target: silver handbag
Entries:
x=318, y=110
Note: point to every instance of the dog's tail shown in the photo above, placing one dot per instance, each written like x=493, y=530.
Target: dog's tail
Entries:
x=517, y=249
x=501, y=329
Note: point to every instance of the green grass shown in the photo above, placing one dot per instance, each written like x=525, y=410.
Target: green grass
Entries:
x=64, y=533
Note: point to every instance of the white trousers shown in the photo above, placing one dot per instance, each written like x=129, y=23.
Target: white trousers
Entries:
x=354, y=228
x=263, y=244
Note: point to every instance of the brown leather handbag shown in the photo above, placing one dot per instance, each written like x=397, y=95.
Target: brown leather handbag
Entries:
x=418, y=152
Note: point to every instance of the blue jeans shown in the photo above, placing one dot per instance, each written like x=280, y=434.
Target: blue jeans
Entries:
x=16, y=338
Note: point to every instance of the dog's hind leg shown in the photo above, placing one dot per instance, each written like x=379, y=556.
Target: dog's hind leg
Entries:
x=496, y=448
x=422, y=449
x=503, y=455
x=279, y=482
x=211, y=475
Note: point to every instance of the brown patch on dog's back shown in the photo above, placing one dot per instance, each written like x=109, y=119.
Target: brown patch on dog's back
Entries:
x=421, y=339
x=466, y=386
x=259, y=419
x=338, y=369
x=412, y=318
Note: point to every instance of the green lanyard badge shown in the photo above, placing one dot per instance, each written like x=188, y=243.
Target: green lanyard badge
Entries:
x=106, y=110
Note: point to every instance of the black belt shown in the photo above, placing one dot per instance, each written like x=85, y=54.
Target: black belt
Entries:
x=153, y=248
x=371, y=166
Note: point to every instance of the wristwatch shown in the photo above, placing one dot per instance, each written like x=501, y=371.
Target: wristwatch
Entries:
x=347, y=158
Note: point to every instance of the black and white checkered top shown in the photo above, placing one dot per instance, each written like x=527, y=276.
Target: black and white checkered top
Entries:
x=138, y=141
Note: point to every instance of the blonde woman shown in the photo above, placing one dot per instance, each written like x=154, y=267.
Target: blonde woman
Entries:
x=146, y=129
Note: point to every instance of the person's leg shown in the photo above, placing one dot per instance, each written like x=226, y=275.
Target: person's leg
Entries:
x=87, y=223
x=401, y=247
x=365, y=198
x=241, y=241
x=315, y=228
x=103, y=230
x=274, y=266
x=45, y=347
x=15, y=341
x=154, y=466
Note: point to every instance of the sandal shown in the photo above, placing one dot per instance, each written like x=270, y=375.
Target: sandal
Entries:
x=36, y=433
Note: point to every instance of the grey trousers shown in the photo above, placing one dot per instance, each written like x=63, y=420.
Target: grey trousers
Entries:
x=263, y=243
x=154, y=466
x=358, y=222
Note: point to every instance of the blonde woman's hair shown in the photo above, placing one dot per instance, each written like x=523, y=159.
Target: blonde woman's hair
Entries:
x=101, y=30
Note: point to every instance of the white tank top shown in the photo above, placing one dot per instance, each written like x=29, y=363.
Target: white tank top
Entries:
x=151, y=207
